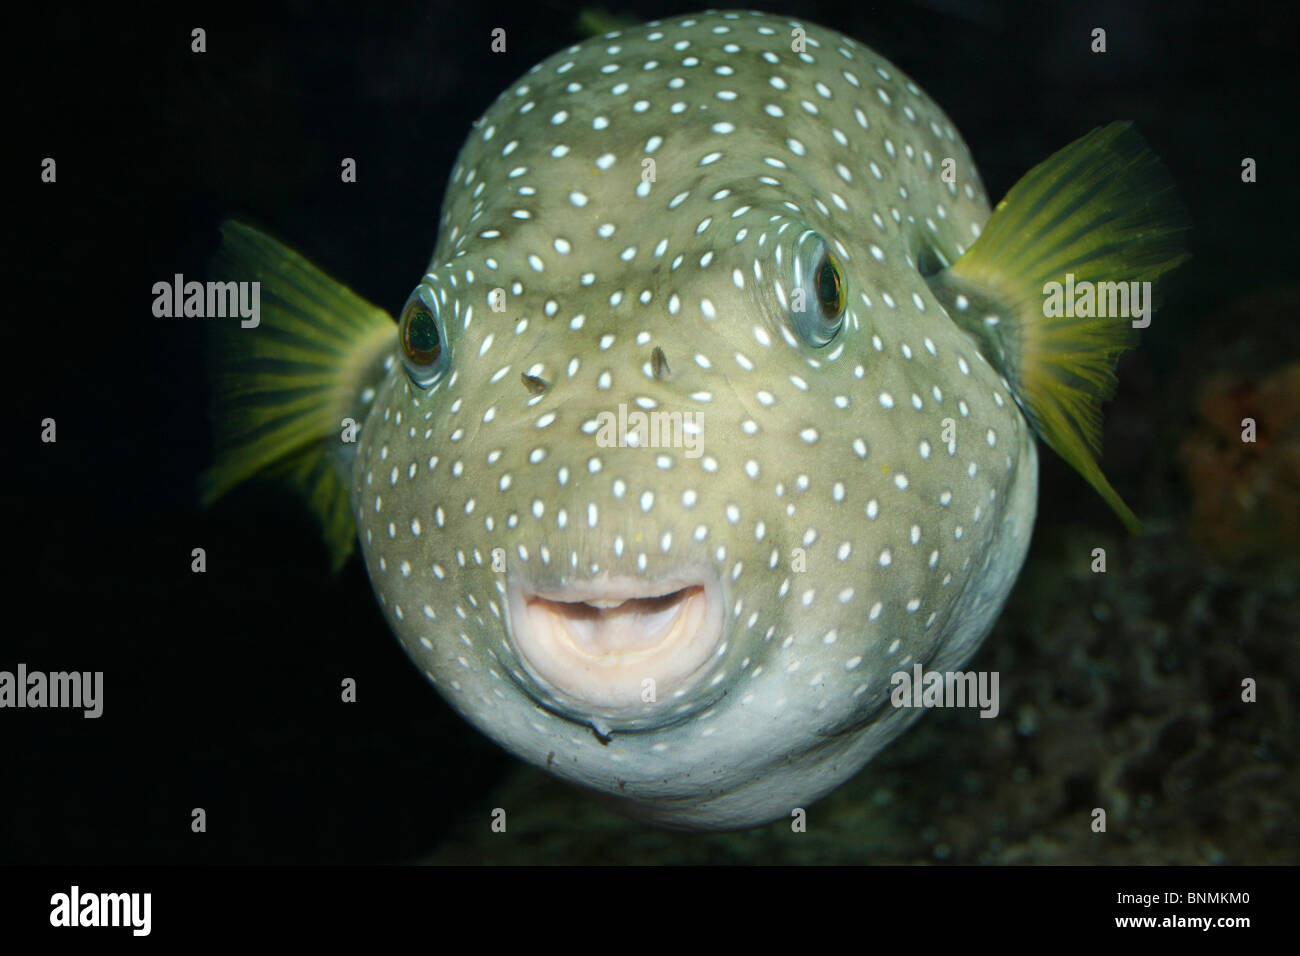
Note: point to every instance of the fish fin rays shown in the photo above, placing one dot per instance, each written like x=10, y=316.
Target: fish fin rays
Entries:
x=1101, y=217
x=596, y=21
x=282, y=390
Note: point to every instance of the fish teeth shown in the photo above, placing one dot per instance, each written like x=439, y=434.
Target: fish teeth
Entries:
x=606, y=604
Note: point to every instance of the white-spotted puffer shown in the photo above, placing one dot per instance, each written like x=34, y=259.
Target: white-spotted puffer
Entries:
x=761, y=235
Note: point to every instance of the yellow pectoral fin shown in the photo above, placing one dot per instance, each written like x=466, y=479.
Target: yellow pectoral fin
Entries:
x=281, y=390
x=1067, y=269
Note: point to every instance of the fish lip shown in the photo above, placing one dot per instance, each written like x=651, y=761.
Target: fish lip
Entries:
x=617, y=666
x=626, y=589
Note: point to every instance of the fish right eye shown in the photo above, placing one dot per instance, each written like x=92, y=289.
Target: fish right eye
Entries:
x=830, y=288
x=420, y=332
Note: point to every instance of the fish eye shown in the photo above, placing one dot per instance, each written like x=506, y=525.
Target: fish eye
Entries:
x=821, y=291
x=424, y=351
x=830, y=288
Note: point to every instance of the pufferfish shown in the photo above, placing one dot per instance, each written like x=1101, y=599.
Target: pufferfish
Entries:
x=715, y=409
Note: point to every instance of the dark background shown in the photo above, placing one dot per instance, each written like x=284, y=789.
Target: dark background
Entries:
x=222, y=689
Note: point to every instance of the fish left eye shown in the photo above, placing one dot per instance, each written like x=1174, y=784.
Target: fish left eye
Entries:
x=821, y=291
x=420, y=332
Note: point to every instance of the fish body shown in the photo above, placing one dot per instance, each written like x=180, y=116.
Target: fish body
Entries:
x=695, y=432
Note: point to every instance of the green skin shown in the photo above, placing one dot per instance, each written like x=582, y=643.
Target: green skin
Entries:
x=866, y=505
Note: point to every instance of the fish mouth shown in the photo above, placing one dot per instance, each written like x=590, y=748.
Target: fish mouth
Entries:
x=617, y=647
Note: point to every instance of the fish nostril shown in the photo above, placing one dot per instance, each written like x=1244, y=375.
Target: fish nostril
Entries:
x=659, y=364
x=534, y=384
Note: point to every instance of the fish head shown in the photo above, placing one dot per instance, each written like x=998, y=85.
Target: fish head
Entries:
x=670, y=475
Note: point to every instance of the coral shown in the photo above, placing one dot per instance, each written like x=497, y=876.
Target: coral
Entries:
x=1246, y=494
